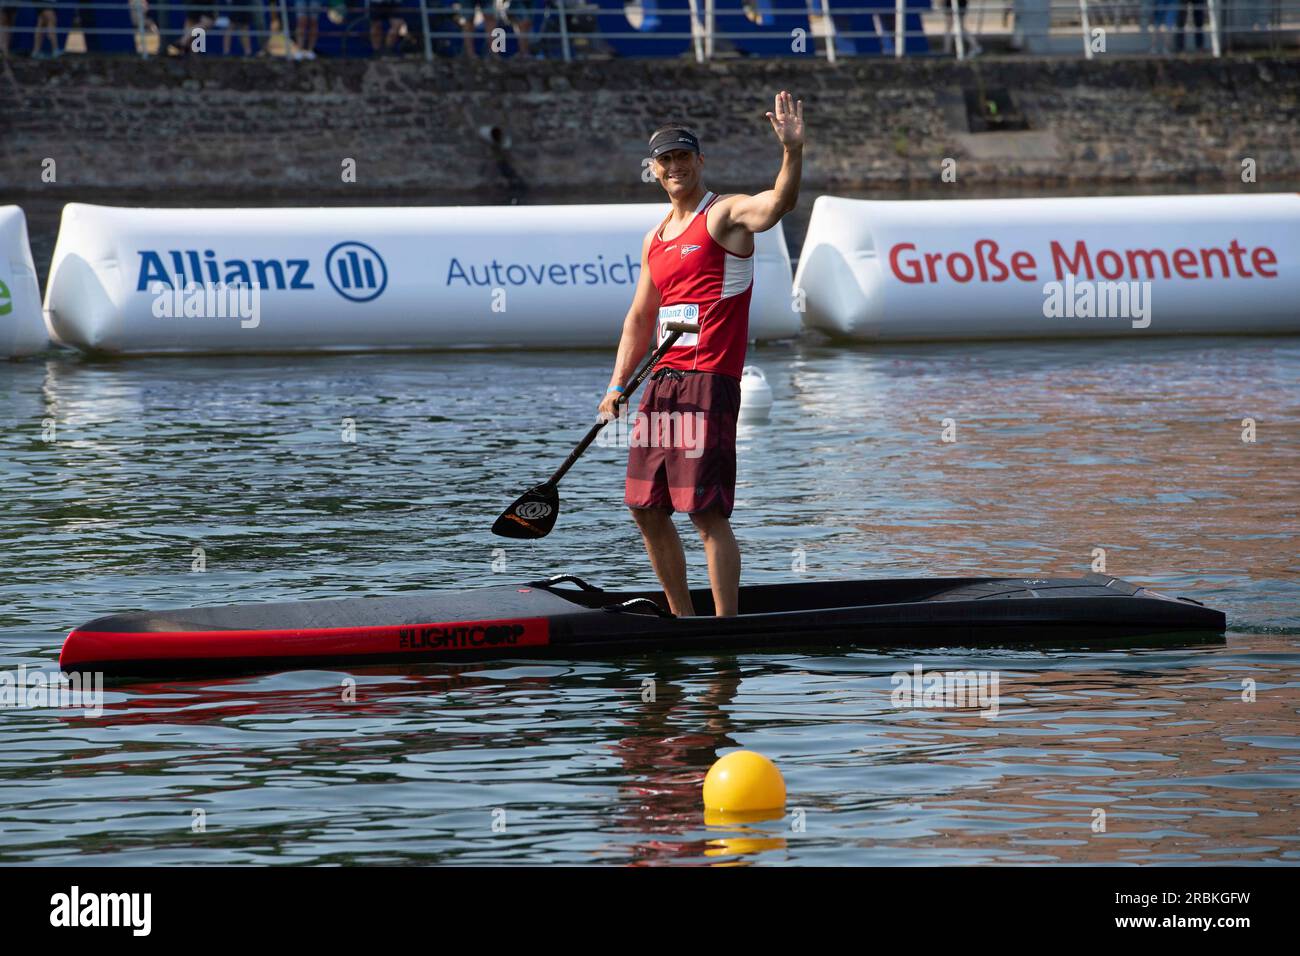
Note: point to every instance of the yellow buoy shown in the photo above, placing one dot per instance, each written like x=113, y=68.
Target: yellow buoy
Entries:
x=744, y=781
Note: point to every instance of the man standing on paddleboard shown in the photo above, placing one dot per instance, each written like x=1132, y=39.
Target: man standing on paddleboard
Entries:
x=697, y=266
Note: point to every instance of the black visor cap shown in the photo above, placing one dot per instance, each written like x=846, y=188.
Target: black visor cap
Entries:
x=671, y=139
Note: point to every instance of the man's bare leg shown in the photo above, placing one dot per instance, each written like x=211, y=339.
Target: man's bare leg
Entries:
x=724, y=559
x=666, y=557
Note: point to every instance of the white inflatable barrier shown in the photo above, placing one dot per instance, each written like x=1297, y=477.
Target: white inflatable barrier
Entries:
x=159, y=280
x=22, y=328
x=1011, y=268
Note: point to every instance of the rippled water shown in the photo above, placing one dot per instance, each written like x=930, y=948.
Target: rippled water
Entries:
x=1134, y=447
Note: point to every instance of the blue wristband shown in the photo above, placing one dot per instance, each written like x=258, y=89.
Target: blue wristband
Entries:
x=614, y=388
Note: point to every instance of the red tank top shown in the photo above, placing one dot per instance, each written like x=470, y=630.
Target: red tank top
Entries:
x=700, y=281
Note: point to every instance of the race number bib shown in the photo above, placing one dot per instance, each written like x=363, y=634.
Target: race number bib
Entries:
x=678, y=313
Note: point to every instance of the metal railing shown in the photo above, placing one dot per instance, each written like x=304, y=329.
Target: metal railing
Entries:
x=570, y=28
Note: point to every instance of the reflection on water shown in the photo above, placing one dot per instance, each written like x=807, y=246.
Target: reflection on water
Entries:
x=579, y=768
x=1062, y=448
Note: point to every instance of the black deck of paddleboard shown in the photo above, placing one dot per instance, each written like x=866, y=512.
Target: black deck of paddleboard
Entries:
x=884, y=612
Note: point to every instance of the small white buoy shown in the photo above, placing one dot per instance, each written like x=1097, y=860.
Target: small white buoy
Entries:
x=755, y=395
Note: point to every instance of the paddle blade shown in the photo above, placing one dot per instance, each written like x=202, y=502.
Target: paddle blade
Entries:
x=532, y=515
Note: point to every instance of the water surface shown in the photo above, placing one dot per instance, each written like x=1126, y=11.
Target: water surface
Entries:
x=1129, y=446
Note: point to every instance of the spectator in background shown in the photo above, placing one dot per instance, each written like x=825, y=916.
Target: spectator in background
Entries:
x=1159, y=17
x=308, y=13
x=235, y=17
x=468, y=14
x=6, y=24
x=194, y=20
x=1198, y=15
x=275, y=43
x=7, y=16
x=47, y=26
x=970, y=45
x=144, y=27
x=386, y=26
x=519, y=14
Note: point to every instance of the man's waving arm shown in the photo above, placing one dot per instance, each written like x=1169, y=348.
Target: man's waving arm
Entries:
x=761, y=212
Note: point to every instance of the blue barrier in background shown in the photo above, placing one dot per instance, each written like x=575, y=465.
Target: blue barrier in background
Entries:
x=880, y=27
x=730, y=18
x=103, y=16
x=611, y=19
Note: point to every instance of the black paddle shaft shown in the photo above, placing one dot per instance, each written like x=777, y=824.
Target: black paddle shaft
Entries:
x=676, y=330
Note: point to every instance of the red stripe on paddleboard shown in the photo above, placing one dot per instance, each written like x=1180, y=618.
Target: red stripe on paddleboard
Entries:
x=82, y=646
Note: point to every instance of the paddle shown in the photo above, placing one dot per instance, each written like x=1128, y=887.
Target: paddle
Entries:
x=534, y=512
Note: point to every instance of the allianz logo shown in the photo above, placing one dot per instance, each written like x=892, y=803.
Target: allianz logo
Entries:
x=353, y=269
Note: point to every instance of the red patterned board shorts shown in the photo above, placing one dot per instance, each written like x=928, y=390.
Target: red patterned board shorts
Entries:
x=683, y=443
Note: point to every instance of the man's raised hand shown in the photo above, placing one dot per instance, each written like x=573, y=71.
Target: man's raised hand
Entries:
x=787, y=120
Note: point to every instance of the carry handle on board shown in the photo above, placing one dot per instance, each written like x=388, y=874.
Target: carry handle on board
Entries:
x=533, y=514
